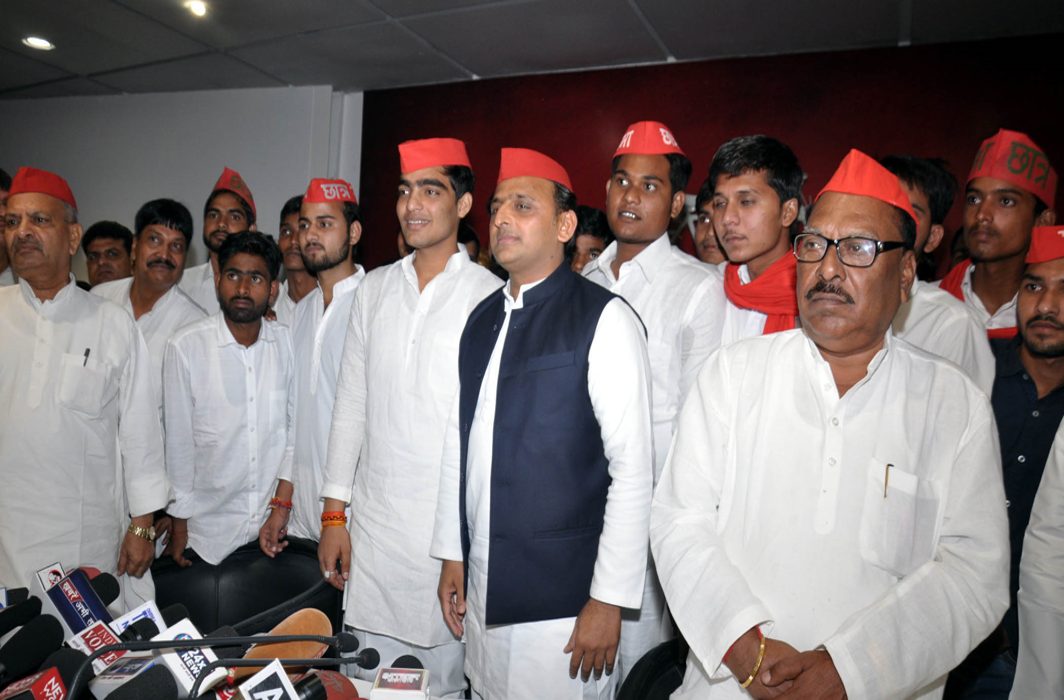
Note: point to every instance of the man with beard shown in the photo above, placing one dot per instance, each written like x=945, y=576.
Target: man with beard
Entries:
x=230, y=209
x=398, y=381
x=831, y=521
x=226, y=384
x=297, y=282
x=1028, y=402
x=678, y=299
x=1010, y=190
x=329, y=230
x=151, y=295
x=108, y=247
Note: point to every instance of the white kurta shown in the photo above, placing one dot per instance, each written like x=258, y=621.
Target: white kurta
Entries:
x=526, y=660
x=80, y=442
x=1040, y=661
x=7, y=277
x=318, y=339
x=172, y=311
x=398, y=379
x=284, y=307
x=772, y=510
x=941, y=324
x=228, y=432
x=198, y=283
x=1005, y=317
x=738, y=323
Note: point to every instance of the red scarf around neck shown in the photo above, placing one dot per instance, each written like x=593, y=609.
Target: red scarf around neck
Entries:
x=952, y=283
x=772, y=293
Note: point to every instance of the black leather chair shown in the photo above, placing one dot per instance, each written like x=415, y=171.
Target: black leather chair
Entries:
x=248, y=590
x=657, y=674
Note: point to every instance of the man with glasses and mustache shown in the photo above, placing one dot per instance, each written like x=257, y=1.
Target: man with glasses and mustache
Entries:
x=831, y=519
x=152, y=296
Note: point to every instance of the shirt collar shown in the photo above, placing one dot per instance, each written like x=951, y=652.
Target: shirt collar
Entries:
x=347, y=284
x=225, y=336
x=875, y=363
x=457, y=261
x=649, y=260
x=44, y=307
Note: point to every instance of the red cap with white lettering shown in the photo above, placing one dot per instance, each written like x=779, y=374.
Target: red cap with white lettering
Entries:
x=648, y=139
x=325, y=191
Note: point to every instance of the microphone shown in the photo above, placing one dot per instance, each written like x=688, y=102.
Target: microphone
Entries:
x=157, y=683
x=407, y=661
x=369, y=659
x=73, y=601
x=51, y=682
x=27, y=648
x=106, y=586
x=140, y=631
x=20, y=614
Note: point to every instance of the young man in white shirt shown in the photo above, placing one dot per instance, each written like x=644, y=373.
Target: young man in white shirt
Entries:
x=546, y=484
x=831, y=521
x=230, y=209
x=297, y=281
x=151, y=295
x=226, y=383
x=680, y=301
x=398, y=380
x=329, y=230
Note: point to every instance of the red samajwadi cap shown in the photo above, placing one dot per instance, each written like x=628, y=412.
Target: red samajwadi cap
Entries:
x=648, y=139
x=524, y=162
x=230, y=180
x=1016, y=159
x=432, y=153
x=862, y=175
x=326, y=191
x=34, y=181
x=1047, y=243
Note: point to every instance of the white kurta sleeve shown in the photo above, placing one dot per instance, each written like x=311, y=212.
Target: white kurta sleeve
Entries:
x=180, y=443
x=349, y=411
x=140, y=436
x=702, y=325
x=1040, y=663
x=708, y=595
x=284, y=470
x=618, y=380
x=929, y=621
x=447, y=535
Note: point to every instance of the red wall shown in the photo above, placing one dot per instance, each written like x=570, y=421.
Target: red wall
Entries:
x=932, y=100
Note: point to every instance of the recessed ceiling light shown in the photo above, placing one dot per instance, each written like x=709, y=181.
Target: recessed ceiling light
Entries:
x=36, y=42
x=197, y=7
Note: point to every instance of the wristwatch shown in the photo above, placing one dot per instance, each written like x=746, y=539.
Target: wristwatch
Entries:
x=147, y=533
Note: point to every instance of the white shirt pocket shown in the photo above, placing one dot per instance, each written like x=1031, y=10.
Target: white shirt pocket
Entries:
x=899, y=520
x=85, y=384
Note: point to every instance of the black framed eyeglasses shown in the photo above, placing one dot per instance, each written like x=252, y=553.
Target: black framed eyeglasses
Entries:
x=855, y=251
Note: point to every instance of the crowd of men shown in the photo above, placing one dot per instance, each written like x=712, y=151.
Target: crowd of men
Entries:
x=831, y=478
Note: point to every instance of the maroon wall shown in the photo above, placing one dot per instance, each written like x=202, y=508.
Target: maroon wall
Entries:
x=931, y=100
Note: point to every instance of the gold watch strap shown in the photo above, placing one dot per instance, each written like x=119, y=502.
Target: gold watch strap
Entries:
x=147, y=533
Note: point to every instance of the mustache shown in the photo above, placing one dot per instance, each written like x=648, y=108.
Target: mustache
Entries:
x=826, y=287
x=31, y=243
x=1046, y=318
x=162, y=262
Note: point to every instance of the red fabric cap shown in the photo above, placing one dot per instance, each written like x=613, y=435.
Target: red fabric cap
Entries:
x=1047, y=243
x=524, y=162
x=32, y=180
x=648, y=139
x=231, y=180
x=1014, y=158
x=322, y=190
x=861, y=175
x=432, y=153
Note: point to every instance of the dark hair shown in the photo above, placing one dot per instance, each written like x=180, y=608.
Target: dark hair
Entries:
x=462, y=179
x=589, y=222
x=705, y=194
x=249, y=213
x=467, y=234
x=907, y=225
x=929, y=175
x=350, y=213
x=252, y=243
x=564, y=198
x=5, y=180
x=164, y=212
x=679, y=170
x=760, y=153
x=108, y=229
x=290, y=207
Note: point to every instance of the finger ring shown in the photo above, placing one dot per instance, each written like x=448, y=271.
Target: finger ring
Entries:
x=328, y=575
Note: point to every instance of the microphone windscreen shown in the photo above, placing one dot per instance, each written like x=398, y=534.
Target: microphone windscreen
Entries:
x=27, y=648
x=407, y=661
x=235, y=652
x=348, y=643
x=156, y=683
x=141, y=630
x=172, y=614
x=369, y=659
x=106, y=586
x=305, y=621
x=66, y=661
x=18, y=615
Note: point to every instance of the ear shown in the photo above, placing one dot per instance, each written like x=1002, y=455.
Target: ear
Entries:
x=465, y=204
x=75, y=238
x=275, y=290
x=1046, y=218
x=789, y=212
x=678, y=200
x=934, y=238
x=354, y=232
x=908, y=274
x=253, y=227
x=567, y=227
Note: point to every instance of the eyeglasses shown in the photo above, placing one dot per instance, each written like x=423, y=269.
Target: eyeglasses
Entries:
x=856, y=251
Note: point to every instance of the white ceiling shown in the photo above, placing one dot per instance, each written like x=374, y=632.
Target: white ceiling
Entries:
x=130, y=46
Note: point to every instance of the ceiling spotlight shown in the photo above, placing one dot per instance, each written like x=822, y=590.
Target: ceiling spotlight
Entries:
x=197, y=7
x=36, y=42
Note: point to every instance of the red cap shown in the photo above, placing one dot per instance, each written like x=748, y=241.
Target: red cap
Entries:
x=32, y=180
x=230, y=180
x=1014, y=158
x=524, y=162
x=1047, y=243
x=861, y=175
x=432, y=153
x=648, y=139
x=322, y=190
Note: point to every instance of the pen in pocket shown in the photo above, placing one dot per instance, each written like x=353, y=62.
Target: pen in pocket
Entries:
x=85, y=362
x=886, y=478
